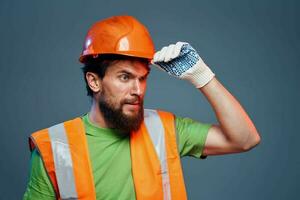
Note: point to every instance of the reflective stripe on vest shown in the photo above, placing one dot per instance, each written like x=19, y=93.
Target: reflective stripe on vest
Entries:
x=62, y=162
x=156, y=167
x=156, y=131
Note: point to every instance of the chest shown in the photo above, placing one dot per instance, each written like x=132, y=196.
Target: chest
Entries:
x=111, y=165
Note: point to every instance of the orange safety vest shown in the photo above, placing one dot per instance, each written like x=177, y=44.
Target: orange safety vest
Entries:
x=156, y=166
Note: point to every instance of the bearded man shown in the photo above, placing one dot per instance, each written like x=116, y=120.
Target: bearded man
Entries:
x=119, y=150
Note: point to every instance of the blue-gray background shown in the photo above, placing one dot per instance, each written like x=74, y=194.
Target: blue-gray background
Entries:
x=251, y=45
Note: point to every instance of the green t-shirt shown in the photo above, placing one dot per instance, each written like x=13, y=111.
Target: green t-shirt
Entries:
x=109, y=153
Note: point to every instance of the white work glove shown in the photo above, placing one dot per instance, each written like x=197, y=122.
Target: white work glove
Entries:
x=182, y=61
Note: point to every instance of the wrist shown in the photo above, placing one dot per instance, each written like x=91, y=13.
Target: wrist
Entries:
x=199, y=75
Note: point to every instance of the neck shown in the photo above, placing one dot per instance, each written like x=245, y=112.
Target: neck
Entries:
x=96, y=116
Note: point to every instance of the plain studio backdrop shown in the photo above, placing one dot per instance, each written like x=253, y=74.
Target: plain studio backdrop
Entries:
x=251, y=45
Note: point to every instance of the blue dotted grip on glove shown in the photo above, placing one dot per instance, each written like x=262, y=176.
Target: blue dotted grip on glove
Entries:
x=186, y=59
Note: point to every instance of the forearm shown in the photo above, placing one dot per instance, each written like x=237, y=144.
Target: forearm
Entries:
x=234, y=121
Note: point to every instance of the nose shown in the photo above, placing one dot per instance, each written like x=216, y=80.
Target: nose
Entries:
x=136, y=88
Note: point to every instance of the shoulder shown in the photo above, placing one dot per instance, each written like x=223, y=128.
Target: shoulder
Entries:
x=43, y=135
x=56, y=125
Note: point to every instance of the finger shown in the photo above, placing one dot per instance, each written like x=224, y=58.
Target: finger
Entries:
x=169, y=53
x=152, y=62
x=156, y=56
x=177, y=49
x=162, y=54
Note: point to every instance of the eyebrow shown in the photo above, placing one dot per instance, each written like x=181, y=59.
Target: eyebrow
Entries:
x=131, y=74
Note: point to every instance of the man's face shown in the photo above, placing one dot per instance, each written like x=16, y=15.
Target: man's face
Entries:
x=122, y=94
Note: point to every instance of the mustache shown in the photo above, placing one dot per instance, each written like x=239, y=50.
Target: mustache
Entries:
x=135, y=100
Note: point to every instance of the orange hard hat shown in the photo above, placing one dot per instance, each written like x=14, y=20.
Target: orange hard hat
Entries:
x=122, y=35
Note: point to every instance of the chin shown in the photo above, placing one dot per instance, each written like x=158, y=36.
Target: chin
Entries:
x=131, y=113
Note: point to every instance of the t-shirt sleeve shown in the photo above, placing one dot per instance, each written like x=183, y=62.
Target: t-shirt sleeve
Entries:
x=39, y=185
x=191, y=136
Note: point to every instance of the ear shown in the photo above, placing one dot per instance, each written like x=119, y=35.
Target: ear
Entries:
x=93, y=81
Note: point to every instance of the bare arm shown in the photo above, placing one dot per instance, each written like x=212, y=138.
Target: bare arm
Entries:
x=235, y=132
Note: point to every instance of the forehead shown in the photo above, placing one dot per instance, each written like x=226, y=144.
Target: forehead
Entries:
x=135, y=67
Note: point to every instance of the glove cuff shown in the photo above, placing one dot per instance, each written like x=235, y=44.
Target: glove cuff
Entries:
x=199, y=75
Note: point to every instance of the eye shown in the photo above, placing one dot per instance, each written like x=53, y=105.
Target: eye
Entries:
x=144, y=78
x=124, y=77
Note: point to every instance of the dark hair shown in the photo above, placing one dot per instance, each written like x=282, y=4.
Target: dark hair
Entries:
x=99, y=65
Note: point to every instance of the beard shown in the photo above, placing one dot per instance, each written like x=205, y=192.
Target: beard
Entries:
x=116, y=118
